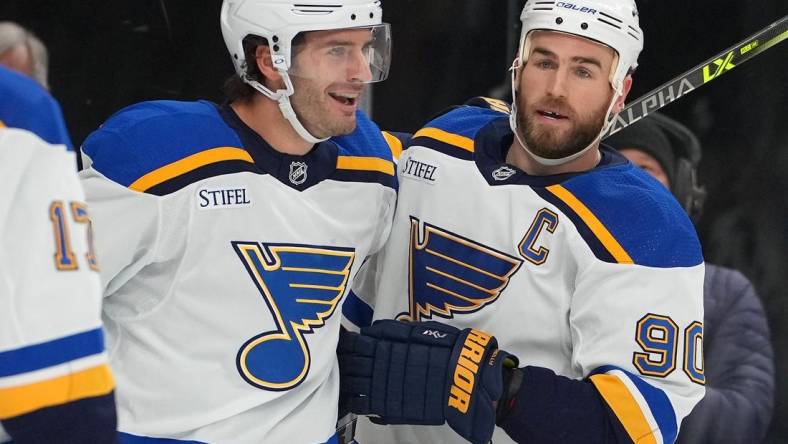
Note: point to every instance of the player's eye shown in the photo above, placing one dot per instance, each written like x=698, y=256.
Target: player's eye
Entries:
x=583, y=73
x=545, y=64
x=337, y=51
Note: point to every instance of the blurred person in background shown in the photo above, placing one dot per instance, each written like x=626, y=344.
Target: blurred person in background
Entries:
x=739, y=361
x=22, y=51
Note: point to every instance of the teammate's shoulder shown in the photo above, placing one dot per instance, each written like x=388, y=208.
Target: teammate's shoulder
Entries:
x=19, y=91
x=23, y=145
x=367, y=154
x=27, y=105
x=148, y=120
x=453, y=132
x=366, y=140
x=25, y=157
x=627, y=217
x=150, y=136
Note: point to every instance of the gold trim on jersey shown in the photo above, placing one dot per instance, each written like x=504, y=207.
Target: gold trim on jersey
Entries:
x=189, y=164
x=365, y=164
x=395, y=145
x=2, y=124
x=625, y=406
x=462, y=142
x=497, y=105
x=605, y=237
x=15, y=401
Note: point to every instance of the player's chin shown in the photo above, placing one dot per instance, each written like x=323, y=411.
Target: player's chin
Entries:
x=343, y=126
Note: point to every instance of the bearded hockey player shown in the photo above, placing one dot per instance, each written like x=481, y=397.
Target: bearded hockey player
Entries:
x=229, y=232
x=524, y=226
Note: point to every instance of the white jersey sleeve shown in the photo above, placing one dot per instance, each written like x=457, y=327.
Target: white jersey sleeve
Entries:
x=130, y=242
x=51, y=341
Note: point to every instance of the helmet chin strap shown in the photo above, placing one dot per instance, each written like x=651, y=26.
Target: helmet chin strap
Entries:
x=609, y=117
x=282, y=97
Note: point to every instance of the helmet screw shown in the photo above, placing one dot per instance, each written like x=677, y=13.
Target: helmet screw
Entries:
x=584, y=25
x=352, y=16
x=276, y=48
x=275, y=39
x=371, y=15
x=559, y=20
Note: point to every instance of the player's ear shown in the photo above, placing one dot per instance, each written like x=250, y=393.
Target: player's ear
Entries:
x=627, y=86
x=266, y=66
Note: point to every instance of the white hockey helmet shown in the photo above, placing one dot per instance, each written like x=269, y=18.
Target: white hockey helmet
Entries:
x=614, y=23
x=280, y=21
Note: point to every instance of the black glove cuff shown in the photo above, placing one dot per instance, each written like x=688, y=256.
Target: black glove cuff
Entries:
x=512, y=381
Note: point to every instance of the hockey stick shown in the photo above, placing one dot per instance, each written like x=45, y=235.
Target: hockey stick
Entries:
x=701, y=74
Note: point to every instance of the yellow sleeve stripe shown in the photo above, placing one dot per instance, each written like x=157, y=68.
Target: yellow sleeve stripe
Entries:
x=2, y=125
x=599, y=230
x=446, y=137
x=20, y=400
x=394, y=144
x=188, y=164
x=625, y=407
x=365, y=164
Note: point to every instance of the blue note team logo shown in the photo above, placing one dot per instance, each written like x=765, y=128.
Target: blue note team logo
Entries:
x=450, y=274
x=302, y=286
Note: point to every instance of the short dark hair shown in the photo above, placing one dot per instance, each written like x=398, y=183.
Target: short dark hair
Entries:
x=235, y=89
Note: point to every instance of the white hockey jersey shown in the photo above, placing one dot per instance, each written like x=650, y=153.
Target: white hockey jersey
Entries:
x=594, y=275
x=51, y=341
x=224, y=264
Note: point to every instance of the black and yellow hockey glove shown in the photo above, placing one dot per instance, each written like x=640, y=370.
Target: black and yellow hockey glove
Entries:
x=423, y=373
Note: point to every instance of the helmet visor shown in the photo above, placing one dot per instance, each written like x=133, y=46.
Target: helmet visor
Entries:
x=360, y=55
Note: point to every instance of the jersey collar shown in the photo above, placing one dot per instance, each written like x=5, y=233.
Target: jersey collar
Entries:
x=298, y=172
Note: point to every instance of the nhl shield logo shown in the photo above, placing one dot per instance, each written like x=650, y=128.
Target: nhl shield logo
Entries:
x=298, y=173
x=503, y=173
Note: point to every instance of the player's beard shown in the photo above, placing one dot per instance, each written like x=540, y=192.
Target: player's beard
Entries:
x=311, y=104
x=552, y=144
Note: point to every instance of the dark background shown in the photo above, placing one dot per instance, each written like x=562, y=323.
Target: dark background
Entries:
x=110, y=53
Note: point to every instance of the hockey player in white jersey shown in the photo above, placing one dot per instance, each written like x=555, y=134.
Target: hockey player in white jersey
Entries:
x=522, y=225
x=229, y=233
x=55, y=383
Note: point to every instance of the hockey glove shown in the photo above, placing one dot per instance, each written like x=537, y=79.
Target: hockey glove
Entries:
x=424, y=373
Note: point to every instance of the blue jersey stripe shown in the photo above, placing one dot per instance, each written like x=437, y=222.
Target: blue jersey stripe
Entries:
x=357, y=311
x=51, y=353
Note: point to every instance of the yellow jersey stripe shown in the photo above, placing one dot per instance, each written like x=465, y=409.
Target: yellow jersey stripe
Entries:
x=446, y=137
x=365, y=164
x=2, y=125
x=599, y=230
x=625, y=407
x=394, y=144
x=188, y=164
x=15, y=401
